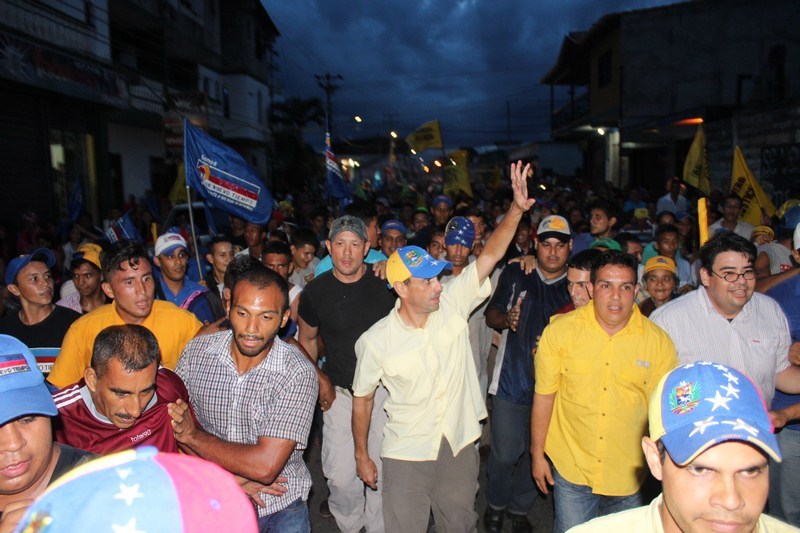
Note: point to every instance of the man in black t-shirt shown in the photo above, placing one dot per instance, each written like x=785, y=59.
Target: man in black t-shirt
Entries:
x=29, y=459
x=337, y=307
x=39, y=324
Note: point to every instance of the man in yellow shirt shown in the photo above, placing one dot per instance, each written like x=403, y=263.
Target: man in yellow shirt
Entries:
x=128, y=280
x=421, y=354
x=595, y=370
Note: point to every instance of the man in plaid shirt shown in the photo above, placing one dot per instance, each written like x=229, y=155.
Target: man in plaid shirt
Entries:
x=254, y=396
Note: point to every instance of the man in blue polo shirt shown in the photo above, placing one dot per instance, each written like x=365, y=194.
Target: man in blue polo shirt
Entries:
x=172, y=258
x=521, y=307
x=784, y=491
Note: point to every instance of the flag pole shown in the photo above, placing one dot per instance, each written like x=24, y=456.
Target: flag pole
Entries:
x=191, y=223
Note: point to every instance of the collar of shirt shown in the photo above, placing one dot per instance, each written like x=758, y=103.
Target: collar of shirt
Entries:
x=86, y=396
x=743, y=314
x=222, y=348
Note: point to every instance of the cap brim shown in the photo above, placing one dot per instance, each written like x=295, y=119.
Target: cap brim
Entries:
x=685, y=443
x=35, y=400
x=431, y=269
x=169, y=249
x=563, y=237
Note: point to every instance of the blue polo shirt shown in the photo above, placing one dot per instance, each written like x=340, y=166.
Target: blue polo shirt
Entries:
x=787, y=294
x=541, y=299
x=199, y=306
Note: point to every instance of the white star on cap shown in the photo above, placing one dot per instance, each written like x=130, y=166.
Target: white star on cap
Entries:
x=730, y=390
x=703, y=363
x=741, y=425
x=731, y=377
x=130, y=527
x=701, y=425
x=720, y=367
x=123, y=473
x=719, y=401
x=128, y=494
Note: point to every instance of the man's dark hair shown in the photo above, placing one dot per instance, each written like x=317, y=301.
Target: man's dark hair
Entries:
x=279, y=248
x=132, y=345
x=76, y=264
x=360, y=209
x=278, y=235
x=302, y=237
x=583, y=260
x=604, y=206
x=725, y=241
x=262, y=277
x=237, y=267
x=665, y=228
x=665, y=213
x=615, y=258
x=624, y=238
x=733, y=196
x=215, y=240
x=120, y=253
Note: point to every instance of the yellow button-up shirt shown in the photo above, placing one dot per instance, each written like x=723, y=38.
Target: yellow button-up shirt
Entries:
x=429, y=373
x=602, y=385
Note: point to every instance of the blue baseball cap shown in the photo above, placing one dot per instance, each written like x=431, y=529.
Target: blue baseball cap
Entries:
x=442, y=199
x=413, y=262
x=460, y=230
x=18, y=263
x=22, y=388
x=791, y=218
x=395, y=225
x=700, y=405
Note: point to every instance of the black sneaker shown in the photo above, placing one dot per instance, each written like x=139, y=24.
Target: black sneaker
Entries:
x=324, y=510
x=520, y=523
x=493, y=520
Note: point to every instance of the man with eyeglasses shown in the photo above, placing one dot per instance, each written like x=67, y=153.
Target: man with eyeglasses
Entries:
x=727, y=322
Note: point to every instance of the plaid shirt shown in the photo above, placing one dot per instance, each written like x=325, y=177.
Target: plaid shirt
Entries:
x=275, y=399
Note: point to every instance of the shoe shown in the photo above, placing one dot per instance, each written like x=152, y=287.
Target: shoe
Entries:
x=493, y=520
x=520, y=523
x=324, y=509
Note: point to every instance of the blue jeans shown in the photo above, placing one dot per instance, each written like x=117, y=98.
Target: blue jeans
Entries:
x=509, y=482
x=292, y=519
x=575, y=504
x=784, y=489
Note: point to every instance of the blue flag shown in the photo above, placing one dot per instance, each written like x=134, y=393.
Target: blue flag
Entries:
x=122, y=229
x=335, y=187
x=223, y=177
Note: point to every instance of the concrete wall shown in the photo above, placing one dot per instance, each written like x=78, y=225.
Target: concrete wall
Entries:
x=136, y=146
x=706, y=54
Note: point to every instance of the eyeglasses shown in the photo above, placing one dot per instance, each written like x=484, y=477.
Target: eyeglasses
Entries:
x=733, y=277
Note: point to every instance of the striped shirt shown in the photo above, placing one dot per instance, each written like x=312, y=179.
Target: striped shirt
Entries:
x=275, y=399
x=756, y=342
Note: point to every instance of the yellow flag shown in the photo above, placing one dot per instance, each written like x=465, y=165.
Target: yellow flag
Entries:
x=429, y=135
x=695, y=168
x=745, y=186
x=177, y=195
x=456, y=177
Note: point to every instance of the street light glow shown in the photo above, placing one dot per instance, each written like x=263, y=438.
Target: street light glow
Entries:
x=393, y=134
x=357, y=118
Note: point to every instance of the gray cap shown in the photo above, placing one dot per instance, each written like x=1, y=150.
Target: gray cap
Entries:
x=348, y=223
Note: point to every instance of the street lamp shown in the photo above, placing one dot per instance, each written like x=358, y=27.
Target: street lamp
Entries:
x=393, y=134
x=357, y=119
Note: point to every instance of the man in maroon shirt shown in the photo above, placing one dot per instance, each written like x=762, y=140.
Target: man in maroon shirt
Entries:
x=122, y=401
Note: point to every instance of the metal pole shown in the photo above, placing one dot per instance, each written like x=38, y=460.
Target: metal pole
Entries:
x=191, y=223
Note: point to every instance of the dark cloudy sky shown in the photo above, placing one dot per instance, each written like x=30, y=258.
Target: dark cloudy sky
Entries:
x=403, y=63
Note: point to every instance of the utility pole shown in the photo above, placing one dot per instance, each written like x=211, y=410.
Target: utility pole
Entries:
x=326, y=83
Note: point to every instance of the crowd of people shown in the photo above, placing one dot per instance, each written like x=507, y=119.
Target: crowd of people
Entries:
x=601, y=341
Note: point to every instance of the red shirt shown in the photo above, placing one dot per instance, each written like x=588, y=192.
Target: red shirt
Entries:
x=81, y=426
